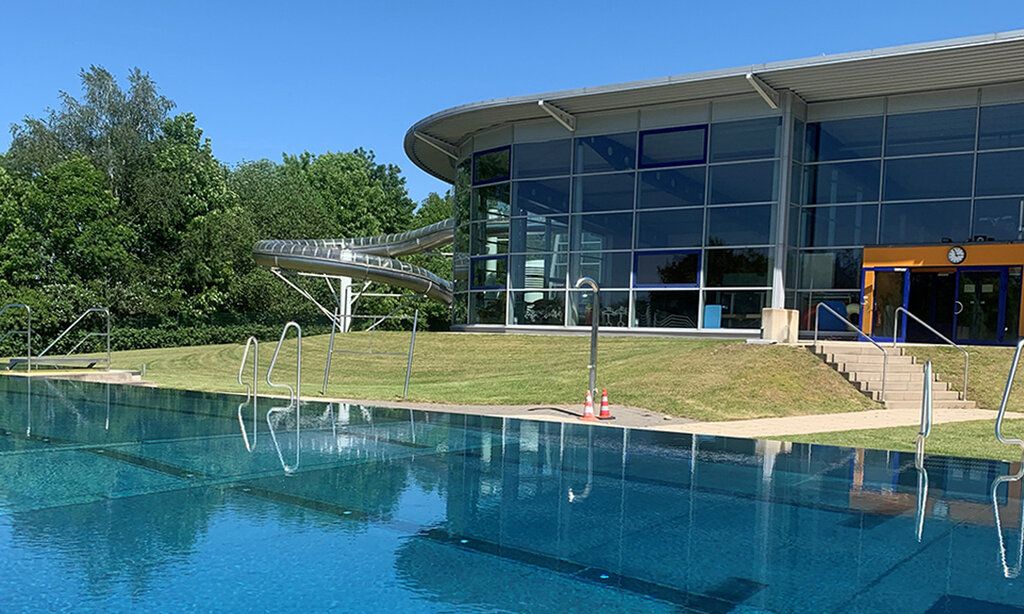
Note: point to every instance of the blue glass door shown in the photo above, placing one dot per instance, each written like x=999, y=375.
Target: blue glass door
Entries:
x=980, y=309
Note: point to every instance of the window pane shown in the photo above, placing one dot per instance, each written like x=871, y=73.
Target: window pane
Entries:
x=603, y=193
x=745, y=140
x=538, y=308
x=734, y=309
x=998, y=219
x=842, y=302
x=542, y=159
x=844, y=139
x=931, y=222
x=1001, y=127
x=662, y=309
x=740, y=225
x=667, y=268
x=486, y=307
x=539, y=234
x=799, y=140
x=743, y=183
x=538, y=271
x=485, y=273
x=825, y=270
x=670, y=228
x=672, y=188
x=608, y=269
x=736, y=267
x=843, y=182
x=490, y=202
x=602, y=231
x=673, y=146
x=1000, y=173
x=462, y=199
x=461, y=242
x=931, y=132
x=614, y=309
x=460, y=309
x=543, y=197
x=491, y=165
x=934, y=177
x=488, y=237
x=850, y=225
x=612, y=152
x=460, y=272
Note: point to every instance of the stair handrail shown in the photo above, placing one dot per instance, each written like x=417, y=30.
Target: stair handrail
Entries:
x=251, y=390
x=27, y=332
x=293, y=395
x=84, y=314
x=947, y=340
x=1006, y=398
x=860, y=333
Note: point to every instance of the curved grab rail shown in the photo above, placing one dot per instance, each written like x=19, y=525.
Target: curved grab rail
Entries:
x=922, y=435
x=841, y=318
x=1006, y=399
x=27, y=332
x=895, y=336
x=251, y=390
x=293, y=395
x=595, y=320
x=1009, y=572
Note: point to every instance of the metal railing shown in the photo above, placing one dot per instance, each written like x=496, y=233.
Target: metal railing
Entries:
x=595, y=317
x=27, y=332
x=947, y=340
x=841, y=318
x=293, y=395
x=1006, y=398
x=922, y=435
x=1009, y=571
x=378, y=320
x=251, y=390
x=71, y=327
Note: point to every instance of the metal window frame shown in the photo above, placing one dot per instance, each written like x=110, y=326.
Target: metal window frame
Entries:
x=682, y=252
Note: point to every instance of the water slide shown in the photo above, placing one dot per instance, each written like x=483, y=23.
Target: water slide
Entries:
x=365, y=258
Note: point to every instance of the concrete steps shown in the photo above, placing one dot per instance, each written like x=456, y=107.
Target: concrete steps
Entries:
x=862, y=363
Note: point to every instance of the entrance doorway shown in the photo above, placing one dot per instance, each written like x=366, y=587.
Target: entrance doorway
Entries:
x=933, y=299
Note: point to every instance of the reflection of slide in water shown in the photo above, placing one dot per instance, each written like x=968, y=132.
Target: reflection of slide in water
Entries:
x=365, y=258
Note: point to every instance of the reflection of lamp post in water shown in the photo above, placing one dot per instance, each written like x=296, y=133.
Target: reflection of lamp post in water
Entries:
x=595, y=315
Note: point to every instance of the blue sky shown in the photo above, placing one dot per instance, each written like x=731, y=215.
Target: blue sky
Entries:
x=266, y=78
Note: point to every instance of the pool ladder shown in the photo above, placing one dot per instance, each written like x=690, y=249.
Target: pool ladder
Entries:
x=1008, y=570
x=251, y=390
x=922, y=434
x=293, y=395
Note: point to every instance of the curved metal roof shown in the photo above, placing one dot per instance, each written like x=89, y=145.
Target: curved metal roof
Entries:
x=953, y=63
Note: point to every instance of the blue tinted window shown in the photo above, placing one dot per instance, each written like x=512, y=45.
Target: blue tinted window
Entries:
x=931, y=177
x=844, y=139
x=487, y=273
x=739, y=308
x=490, y=202
x=931, y=132
x=488, y=237
x=850, y=225
x=541, y=197
x=539, y=234
x=667, y=268
x=604, y=192
x=670, y=228
x=997, y=219
x=538, y=270
x=602, y=231
x=928, y=222
x=608, y=269
x=673, y=146
x=676, y=187
x=614, y=309
x=542, y=159
x=492, y=165
x=745, y=140
x=1000, y=173
x=737, y=267
x=740, y=225
x=612, y=152
x=743, y=183
x=1001, y=127
x=828, y=269
x=842, y=182
x=486, y=307
x=538, y=308
x=666, y=309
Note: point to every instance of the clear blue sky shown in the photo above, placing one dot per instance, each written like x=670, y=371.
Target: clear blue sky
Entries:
x=266, y=78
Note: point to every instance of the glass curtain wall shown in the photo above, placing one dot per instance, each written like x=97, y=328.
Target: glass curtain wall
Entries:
x=943, y=176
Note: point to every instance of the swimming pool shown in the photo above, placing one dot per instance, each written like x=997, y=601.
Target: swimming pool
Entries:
x=119, y=498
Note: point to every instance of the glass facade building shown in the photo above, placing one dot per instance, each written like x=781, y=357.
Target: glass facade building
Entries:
x=695, y=214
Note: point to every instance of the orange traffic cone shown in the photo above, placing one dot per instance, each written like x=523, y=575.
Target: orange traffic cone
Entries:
x=606, y=412
x=588, y=409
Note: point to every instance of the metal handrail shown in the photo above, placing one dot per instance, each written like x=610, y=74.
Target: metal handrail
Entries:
x=895, y=336
x=91, y=310
x=885, y=355
x=251, y=390
x=293, y=395
x=922, y=435
x=1009, y=572
x=1006, y=399
x=27, y=332
x=595, y=320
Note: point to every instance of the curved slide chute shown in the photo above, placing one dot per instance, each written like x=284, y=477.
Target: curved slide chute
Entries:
x=366, y=258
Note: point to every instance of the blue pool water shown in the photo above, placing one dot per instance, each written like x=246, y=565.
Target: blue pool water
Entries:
x=120, y=498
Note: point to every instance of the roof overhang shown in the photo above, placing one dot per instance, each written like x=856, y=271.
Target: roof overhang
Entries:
x=954, y=63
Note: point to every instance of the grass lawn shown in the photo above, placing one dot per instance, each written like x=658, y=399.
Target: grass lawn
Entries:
x=989, y=368
x=699, y=379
